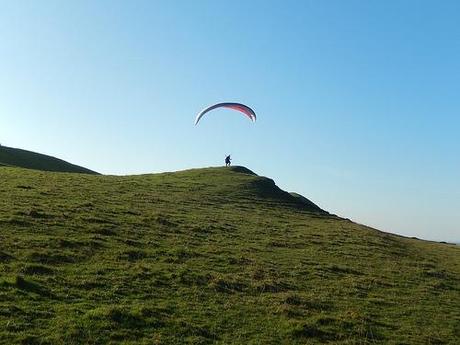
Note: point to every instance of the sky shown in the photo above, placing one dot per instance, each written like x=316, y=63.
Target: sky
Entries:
x=357, y=101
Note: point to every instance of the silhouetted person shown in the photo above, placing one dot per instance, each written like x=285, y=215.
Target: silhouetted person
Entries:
x=228, y=161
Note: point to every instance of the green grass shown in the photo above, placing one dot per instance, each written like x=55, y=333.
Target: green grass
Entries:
x=30, y=160
x=208, y=256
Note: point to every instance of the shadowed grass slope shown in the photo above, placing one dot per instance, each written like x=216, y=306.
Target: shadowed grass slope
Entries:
x=208, y=256
x=31, y=160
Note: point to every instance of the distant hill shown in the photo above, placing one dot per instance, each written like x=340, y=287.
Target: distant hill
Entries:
x=31, y=160
x=208, y=256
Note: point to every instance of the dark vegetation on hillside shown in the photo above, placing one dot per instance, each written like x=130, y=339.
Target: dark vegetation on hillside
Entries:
x=30, y=160
x=208, y=256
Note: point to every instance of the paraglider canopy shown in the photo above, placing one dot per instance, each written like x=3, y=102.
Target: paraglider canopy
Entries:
x=235, y=106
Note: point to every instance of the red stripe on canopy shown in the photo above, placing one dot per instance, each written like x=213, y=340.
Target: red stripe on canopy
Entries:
x=244, y=110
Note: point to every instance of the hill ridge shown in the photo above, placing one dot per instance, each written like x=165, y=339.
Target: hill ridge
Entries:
x=208, y=256
x=15, y=157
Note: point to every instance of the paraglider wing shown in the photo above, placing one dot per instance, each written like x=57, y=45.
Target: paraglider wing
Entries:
x=235, y=106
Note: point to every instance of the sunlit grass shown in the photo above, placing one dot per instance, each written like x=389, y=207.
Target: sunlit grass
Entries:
x=208, y=256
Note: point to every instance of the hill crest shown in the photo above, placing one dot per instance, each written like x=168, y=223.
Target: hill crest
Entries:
x=206, y=256
x=20, y=158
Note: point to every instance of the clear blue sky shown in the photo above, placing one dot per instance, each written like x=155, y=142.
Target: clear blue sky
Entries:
x=358, y=102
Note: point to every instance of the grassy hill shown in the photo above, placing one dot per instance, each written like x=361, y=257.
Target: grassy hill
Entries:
x=30, y=160
x=216, y=255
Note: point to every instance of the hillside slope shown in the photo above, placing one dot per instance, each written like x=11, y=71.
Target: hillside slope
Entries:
x=208, y=256
x=31, y=160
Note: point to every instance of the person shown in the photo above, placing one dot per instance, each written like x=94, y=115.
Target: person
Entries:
x=228, y=160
